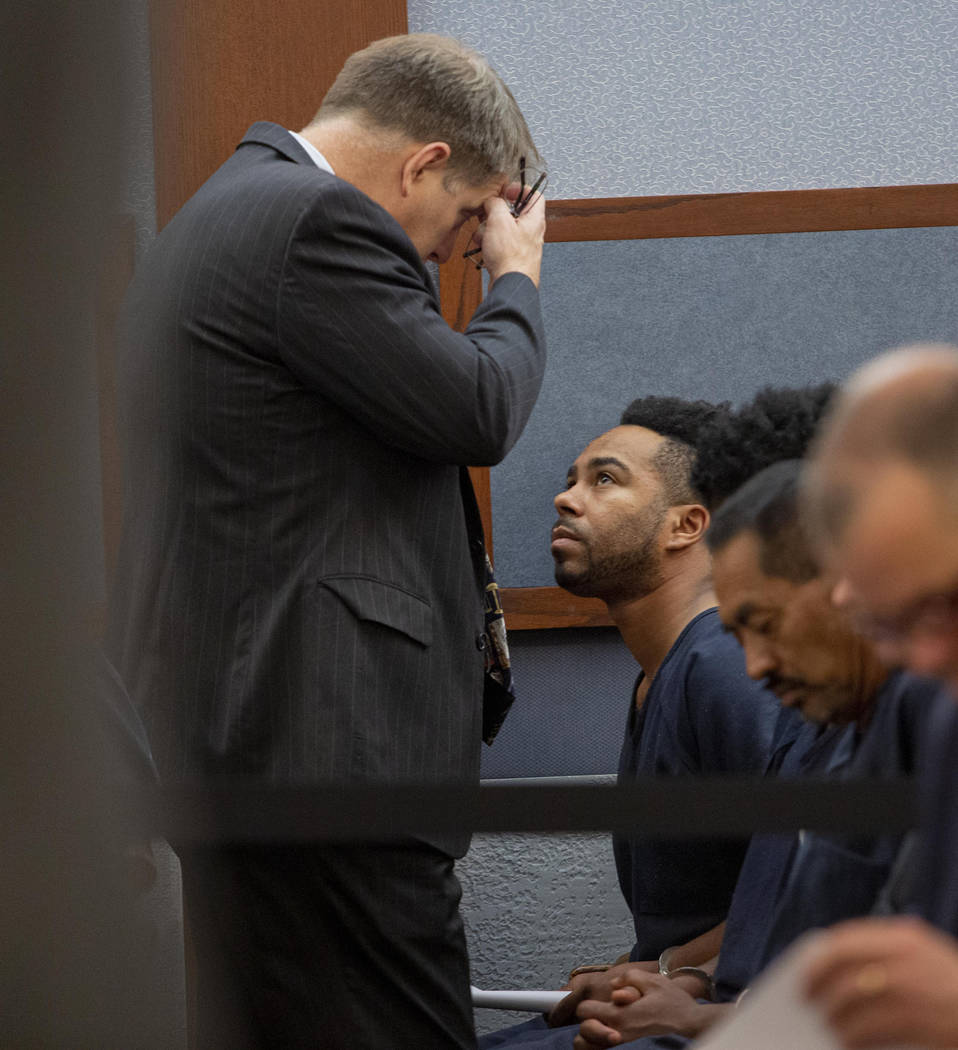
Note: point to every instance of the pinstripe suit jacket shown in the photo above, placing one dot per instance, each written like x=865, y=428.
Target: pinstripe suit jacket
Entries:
x=297, y=592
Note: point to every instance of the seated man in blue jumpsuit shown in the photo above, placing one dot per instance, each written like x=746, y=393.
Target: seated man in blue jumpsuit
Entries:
x=630, y=531
x=883, y=493
x=862, y=721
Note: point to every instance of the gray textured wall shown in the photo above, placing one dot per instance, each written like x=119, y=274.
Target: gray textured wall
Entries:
x=700, y=96
x=528, y=882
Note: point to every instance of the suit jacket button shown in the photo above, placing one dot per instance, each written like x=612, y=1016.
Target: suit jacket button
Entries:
x=480, y=642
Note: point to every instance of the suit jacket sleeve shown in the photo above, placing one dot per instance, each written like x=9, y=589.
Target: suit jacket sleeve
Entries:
x=360, y=324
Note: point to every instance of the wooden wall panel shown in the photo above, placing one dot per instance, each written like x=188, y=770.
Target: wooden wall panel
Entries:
x=728, y=214
x=534, y=608
x=219, y=65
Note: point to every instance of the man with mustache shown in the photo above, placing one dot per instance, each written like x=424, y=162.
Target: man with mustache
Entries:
x=863, y=721
x=630, y=531
x=882, y=494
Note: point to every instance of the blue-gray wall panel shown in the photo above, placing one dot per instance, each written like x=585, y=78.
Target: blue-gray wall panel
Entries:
x=712, y=317
x=573, y=689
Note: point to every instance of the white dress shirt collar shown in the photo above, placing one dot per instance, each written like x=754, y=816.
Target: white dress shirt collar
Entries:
x=315, y=156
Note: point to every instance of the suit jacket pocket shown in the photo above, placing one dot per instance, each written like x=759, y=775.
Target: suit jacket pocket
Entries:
x=368, y=598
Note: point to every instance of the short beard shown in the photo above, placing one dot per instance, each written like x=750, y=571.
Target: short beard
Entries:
x=620, y=575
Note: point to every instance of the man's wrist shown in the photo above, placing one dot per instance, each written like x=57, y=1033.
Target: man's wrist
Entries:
x=691, y=977
x=696, y=982
x=531, y=272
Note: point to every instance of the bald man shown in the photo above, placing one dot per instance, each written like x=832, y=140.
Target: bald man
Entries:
x=882, y=494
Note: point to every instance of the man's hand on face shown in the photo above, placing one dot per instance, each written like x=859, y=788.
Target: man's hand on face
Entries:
x=510, y=244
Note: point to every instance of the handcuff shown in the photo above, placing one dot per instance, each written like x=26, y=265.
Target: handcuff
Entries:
x=691, y=971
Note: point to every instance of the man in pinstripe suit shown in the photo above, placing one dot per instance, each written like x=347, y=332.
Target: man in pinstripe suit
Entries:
x=299, y=593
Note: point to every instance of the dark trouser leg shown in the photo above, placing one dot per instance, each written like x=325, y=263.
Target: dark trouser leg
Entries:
x=328, y=947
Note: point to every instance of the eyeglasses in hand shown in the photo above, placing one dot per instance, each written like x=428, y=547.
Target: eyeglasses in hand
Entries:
x=531, y=182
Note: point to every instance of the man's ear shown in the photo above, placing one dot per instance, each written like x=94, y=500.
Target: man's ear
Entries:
x=432, y=157
x=689, y=523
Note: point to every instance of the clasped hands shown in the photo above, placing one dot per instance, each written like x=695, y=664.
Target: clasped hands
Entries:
x=628, y=1001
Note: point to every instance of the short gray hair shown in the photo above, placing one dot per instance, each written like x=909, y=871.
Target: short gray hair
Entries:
x=435, y=89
